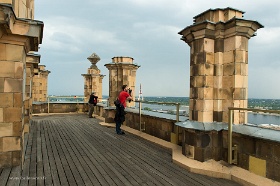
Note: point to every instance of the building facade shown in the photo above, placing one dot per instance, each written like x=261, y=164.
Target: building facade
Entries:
x=19, y=35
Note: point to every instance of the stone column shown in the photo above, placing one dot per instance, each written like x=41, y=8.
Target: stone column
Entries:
x=122, y=71
x=219, y=64
x=40, y=84
x=93, y=78
x=32, y=61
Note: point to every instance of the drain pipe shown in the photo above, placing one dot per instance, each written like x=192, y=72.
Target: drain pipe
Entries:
x=48, y=105
x=230, y=135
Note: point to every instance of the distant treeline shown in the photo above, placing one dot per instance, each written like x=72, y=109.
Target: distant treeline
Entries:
x=271, y=104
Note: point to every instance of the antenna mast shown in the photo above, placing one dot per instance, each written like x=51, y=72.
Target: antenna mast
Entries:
x=140, y=97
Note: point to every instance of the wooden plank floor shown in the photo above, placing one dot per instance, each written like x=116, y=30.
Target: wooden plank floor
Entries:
x=76, y=150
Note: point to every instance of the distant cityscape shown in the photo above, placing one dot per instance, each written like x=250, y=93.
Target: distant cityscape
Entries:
x=269, y=104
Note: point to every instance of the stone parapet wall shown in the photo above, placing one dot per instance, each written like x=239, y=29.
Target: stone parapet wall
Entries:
x=159, y=127
x=58, y=108
x=257, y=149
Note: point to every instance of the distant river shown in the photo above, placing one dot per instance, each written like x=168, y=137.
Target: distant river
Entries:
x=253, y=118
x=256, y=118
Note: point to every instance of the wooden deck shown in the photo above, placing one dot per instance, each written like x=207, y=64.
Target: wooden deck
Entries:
x=76, y=150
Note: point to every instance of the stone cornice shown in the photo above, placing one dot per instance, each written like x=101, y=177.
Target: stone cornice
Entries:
x=93, y=75
x=232, y=27
x=121, y=65
x=33, y=60
x=198, y=30
x=23, y=27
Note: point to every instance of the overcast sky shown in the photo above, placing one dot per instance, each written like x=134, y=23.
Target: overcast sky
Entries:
x=147, y=30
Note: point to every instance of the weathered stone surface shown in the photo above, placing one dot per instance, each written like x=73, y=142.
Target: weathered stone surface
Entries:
x=205, y=116
x=228, y=69
x=218, y=70
x=229, y=44
x=12, y=85
x=264, y=150
x=17, y=128
x=243, y=160
x=6, y=129
x=228, y=57
x=7, y=68
x=209, y=45
x=240, y=94
x=209, y=58
x=6, y=158
x=12, y=114
x=228, y=82
x=273, y=170
x=10, y=144
x=16, y=158
x=240, y=81
x=217, y=104
x=204, y=105
x=6, y=100
x=18, y=70
x=219, y=45
x=218, y=116
x=1, y=84
x=14, y=53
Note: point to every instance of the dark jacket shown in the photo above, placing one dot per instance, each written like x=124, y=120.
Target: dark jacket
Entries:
x=120, y=113
x=92, y=99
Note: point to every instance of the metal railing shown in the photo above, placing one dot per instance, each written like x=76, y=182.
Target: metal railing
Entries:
x=230, y=121
x=155, y=102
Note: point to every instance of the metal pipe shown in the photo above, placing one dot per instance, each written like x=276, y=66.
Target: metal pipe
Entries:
x=177, y=112
x=230, y=136
x=48, y=105
x=140, y=122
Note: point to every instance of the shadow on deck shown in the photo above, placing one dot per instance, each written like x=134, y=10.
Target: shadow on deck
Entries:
x=77, y=150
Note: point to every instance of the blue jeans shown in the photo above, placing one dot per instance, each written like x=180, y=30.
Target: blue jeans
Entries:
x=118, y=127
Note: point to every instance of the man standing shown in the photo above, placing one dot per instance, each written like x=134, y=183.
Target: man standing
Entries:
x=92, y=103
x=120, y=106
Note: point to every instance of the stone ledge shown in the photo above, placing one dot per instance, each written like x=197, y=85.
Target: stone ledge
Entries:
x=249, y=130
x=210, y=168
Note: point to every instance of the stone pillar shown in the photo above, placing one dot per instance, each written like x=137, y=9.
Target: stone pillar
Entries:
x=17, y=38
x=219, y=64
x=122, y=71
x=32, y=61
x=93, y=78
x=40, y=84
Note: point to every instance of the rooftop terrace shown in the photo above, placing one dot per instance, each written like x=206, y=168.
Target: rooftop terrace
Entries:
x=76, y=150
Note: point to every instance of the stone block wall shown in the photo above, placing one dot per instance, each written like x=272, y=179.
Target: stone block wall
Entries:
x=56, y=108
x=155, y=126
x=260, y=156
x=202, y=146
x=219, y=64
x=11, y=103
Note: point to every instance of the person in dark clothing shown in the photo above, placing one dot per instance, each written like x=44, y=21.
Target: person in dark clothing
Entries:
x=120, y=104
x=92, y=103
x=119, y=116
